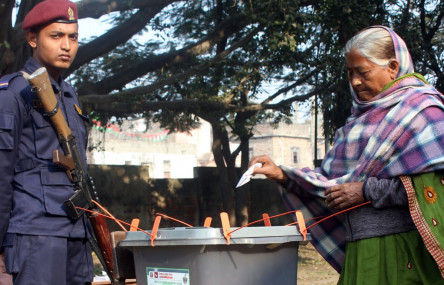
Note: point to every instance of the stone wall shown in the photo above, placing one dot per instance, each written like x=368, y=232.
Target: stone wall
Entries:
x=127, y=192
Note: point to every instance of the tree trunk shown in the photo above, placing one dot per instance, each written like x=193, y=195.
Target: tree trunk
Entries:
x=242, y=194
x=225, y=187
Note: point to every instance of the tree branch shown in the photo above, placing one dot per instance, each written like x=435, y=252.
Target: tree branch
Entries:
x=97, y=8
x=114, y=37
x=124, y=95
x=291, y=86
x=156, y=62
x=6, y=54
x=113, y=104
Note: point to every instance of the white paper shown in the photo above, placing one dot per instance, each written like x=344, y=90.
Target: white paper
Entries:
x=248, y=174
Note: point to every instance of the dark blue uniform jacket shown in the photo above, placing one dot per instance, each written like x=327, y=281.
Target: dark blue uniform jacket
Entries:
x=32, y=188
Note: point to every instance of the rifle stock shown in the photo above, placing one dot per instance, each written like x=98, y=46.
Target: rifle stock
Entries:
x=71, y=161
x=41, y=84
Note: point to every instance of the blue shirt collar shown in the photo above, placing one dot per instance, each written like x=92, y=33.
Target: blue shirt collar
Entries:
x=32, y=65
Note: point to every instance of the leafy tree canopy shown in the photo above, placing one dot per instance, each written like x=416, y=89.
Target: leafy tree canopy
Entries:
x=219, y=55
x=213, y=59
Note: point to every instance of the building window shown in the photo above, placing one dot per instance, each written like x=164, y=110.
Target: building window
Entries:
x=147, y=170
x=250, y=152
x=166, y=169
x=295, y=155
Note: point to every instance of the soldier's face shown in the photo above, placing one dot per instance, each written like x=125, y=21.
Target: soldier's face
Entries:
x=55, y=45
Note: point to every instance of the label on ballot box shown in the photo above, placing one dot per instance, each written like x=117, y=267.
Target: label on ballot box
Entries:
x=167, y=276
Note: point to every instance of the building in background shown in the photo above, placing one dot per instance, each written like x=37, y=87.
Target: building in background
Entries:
x=174, y=155
x=290, y=145
x=167, y=155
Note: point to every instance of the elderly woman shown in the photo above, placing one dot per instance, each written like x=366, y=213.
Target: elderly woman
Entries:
x=390, y=153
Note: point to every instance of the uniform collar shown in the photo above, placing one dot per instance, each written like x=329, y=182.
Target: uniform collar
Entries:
x=32, y=65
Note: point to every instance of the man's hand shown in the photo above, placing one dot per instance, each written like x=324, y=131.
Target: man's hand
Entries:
x=340, y=197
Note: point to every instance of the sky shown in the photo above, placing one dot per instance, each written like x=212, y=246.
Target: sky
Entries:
x=92, y=27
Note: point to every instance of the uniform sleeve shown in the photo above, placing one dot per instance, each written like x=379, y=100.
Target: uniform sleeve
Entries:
x=385, y=193
x=9, y=137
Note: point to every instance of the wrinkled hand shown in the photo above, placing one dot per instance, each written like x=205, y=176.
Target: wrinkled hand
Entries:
x=340, y=197
x=269, y=169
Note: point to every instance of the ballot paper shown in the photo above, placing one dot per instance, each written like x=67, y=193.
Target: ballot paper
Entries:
x=247, y=175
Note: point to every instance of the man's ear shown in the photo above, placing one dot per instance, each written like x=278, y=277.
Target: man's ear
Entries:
x=31, y=38
x=393, y=67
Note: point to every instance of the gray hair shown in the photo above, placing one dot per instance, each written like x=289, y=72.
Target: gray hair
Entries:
x=375, y=44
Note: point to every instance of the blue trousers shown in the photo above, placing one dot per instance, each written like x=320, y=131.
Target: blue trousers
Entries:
x=48, y=260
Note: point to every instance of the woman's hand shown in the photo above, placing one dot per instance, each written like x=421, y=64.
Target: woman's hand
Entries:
x=343, y=196
x=269, y=169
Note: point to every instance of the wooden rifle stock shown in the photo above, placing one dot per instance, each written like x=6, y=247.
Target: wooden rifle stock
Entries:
x=71, y=161
x=41, y=85
x=101, y=232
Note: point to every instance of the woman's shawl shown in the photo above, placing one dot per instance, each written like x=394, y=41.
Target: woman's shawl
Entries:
x=391, y=135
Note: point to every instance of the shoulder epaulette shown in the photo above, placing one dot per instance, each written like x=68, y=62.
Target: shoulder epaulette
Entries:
x=5, y=80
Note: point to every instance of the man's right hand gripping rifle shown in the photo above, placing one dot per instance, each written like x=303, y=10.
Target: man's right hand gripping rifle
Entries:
x=84, y=189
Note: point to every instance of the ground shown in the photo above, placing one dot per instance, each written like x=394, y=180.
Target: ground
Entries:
x=313, y=269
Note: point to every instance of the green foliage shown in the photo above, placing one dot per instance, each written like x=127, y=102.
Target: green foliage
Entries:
x=297, y=42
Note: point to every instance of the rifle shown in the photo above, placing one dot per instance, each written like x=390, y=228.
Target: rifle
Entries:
x=71, y=161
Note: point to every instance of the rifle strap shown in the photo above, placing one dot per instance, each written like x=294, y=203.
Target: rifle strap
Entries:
x=52, y=112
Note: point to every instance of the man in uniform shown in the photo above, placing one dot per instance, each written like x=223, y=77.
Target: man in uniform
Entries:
x=42, y=244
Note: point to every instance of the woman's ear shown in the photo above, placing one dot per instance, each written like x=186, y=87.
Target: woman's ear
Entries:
x=393, y=67
x=31, y=38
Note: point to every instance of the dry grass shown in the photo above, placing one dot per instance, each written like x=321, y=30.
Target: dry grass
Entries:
x=313, y=269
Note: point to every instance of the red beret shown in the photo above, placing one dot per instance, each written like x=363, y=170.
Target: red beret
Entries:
x=50, y=11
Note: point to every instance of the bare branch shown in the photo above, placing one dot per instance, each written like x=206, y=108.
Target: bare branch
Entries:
x=98, y=8
x=290, y=87
x=116, y=36
x=155, y=62
x=88, y=99
x=113, y=104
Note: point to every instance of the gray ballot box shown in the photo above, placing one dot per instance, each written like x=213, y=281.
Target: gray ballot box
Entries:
x=201, y=256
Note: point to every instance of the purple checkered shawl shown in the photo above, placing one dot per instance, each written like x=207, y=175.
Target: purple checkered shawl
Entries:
x=399, y=132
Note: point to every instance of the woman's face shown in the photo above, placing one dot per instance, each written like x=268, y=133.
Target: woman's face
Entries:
x=367, y=78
